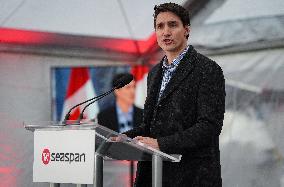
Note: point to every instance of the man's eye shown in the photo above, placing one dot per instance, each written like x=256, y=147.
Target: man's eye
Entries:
x=172, y=24
x=159, y=26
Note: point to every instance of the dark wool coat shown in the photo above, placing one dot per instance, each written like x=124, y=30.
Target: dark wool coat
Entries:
x=187, y=120
x=109, y=119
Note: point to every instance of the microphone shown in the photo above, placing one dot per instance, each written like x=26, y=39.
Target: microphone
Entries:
x=119, y=83
x=122, y=81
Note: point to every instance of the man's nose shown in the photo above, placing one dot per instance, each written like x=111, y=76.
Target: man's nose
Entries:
x=166, y=31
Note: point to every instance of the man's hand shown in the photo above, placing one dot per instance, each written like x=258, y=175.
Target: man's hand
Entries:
x=148, y=141
x=119, y=138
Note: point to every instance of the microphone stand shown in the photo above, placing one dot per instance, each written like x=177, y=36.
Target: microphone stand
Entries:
x=94, y=98
x=99, y=97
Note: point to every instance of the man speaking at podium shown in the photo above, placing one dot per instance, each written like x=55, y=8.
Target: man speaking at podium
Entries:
x=184, y=109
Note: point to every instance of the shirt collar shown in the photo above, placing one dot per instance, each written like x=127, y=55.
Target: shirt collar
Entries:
x=120, y=112
x=175, y=61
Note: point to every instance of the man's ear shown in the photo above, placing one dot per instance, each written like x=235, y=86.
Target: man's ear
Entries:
x=187, y=30
x=115, y=92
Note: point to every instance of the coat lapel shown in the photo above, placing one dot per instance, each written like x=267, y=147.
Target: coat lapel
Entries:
x=153, y=88
x=155, y=84
x=184, y=68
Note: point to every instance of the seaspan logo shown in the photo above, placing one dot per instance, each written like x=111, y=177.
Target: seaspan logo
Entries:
x=47, y=157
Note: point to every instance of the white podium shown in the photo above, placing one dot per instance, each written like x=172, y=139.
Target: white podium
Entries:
x=74, y=153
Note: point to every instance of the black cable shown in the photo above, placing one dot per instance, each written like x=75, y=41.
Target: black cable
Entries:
x=13, y=12
x=129, y=27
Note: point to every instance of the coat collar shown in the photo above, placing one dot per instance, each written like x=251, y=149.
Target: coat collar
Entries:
x=154, y=83
x=184, y=68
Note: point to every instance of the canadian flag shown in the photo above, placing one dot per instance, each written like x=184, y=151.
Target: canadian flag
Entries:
x=80, y=88
x=140, y=73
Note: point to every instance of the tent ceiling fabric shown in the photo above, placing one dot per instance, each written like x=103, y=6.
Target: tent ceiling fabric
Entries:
x=232, y=10
x=87, y=18
x=239, y=22
x=231, y=22
x=239, y=32
x=255, y=71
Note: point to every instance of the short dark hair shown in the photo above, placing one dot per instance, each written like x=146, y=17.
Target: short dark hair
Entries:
x=118, y=76
x=178, y=10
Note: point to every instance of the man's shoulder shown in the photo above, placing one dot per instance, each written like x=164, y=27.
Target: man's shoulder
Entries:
x=206, y=63
x=156, y=67
x=137, y=109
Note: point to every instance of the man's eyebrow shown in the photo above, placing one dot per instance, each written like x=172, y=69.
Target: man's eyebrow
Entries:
x=161, y=23
x=158, y=23
x=174, y=21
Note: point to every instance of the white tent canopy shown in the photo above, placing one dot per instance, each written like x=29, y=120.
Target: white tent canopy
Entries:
x=130, y=19
x=241, y=22
x=254, y=71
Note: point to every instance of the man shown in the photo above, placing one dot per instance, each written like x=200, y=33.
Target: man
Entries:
x=184, y=109
x=123, y=115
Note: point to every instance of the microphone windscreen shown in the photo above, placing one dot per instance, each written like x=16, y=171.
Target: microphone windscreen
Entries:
x=121, y=82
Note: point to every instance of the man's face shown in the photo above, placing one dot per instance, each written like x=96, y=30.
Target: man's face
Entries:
x=171, y=34
x=126, y=94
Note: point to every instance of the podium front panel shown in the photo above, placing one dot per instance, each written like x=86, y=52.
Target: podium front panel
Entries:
x=64, y=156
